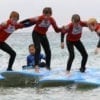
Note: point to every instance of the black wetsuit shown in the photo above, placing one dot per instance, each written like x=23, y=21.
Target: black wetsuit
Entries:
x=98, y=45
x=80, y=47
x=39, y=40
x=5, y=47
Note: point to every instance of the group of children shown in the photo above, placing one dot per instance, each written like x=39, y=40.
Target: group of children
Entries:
x=73, y=32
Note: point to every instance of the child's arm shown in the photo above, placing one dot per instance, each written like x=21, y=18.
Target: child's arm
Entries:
x=27, y=22
x=3, y=26
x=84, y=23
x=62, y=40
x=30, y=21
x=0, y=28
x=54, y=25
x=98, y=32
x=64, y=31
x=29, y=63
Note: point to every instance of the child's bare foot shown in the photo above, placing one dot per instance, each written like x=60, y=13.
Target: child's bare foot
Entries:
x=68, y=73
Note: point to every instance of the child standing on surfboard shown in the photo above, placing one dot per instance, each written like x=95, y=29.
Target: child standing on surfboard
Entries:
x=6, y=29
x=73, y=35
x=31, y=58
x=95, y=26
x=42, y=23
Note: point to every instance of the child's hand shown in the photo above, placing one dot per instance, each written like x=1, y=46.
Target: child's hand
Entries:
x=64, y=29
x=62, y=45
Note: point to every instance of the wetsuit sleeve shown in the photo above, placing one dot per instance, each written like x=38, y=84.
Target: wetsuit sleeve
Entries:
x=28, y=22
x=28, y=61
x=62, y=37
x=64, y=31
x=54, y=25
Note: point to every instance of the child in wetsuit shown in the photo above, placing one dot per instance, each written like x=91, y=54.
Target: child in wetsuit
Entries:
x=6, y=29
x=31, y=58
x=73, y=34
x=39, y=35
x=95, y=26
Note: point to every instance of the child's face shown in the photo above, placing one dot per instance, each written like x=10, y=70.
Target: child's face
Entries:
x=91, y=27
x=47, y=15
x=75, y=23
x=14, y=19
x=32, y=50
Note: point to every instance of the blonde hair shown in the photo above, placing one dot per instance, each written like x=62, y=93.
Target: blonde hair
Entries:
x=92, y=21
x=14, y=14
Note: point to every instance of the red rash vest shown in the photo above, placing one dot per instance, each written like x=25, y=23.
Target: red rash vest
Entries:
x=42, y=23
x=7, y=29
x=74, y=33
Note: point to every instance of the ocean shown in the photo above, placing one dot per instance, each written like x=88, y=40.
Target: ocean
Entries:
x=20, y=41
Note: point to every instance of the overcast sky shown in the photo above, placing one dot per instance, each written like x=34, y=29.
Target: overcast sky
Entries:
x=62, y=9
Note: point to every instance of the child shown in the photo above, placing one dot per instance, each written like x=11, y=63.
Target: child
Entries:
x=95, y=26
x=74, y=32
x=42, y=23
x=6, y=29
x=31, y=58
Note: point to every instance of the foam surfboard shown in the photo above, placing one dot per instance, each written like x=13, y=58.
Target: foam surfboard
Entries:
x=22, y=77
x=58, y=77
x=1, y=77
x=55, y=77
x=90, y=77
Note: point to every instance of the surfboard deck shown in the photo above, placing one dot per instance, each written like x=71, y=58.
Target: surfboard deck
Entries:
x=1, y=77
x=55, y=77
x=22, y=78
x=59, y=78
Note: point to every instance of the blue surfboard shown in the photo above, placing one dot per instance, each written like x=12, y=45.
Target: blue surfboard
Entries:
x=1, y=77
x=58, y=78
x=55, y=77
x=90, y=77
x=22, y=77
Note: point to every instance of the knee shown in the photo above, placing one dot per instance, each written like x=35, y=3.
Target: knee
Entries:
x=13, y=54
x=85, y=56
x=72, y=56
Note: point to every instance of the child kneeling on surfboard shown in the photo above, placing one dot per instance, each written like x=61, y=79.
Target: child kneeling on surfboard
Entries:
x=74, y=32
x=31, y=58
x=6, y=29
x=95, y=26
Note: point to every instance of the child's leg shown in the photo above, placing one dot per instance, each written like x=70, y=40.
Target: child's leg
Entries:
x=36, y=40
x=70, y=47
x=5, y=47
x=98, y=47
x=46, y=47
x=84, y=55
